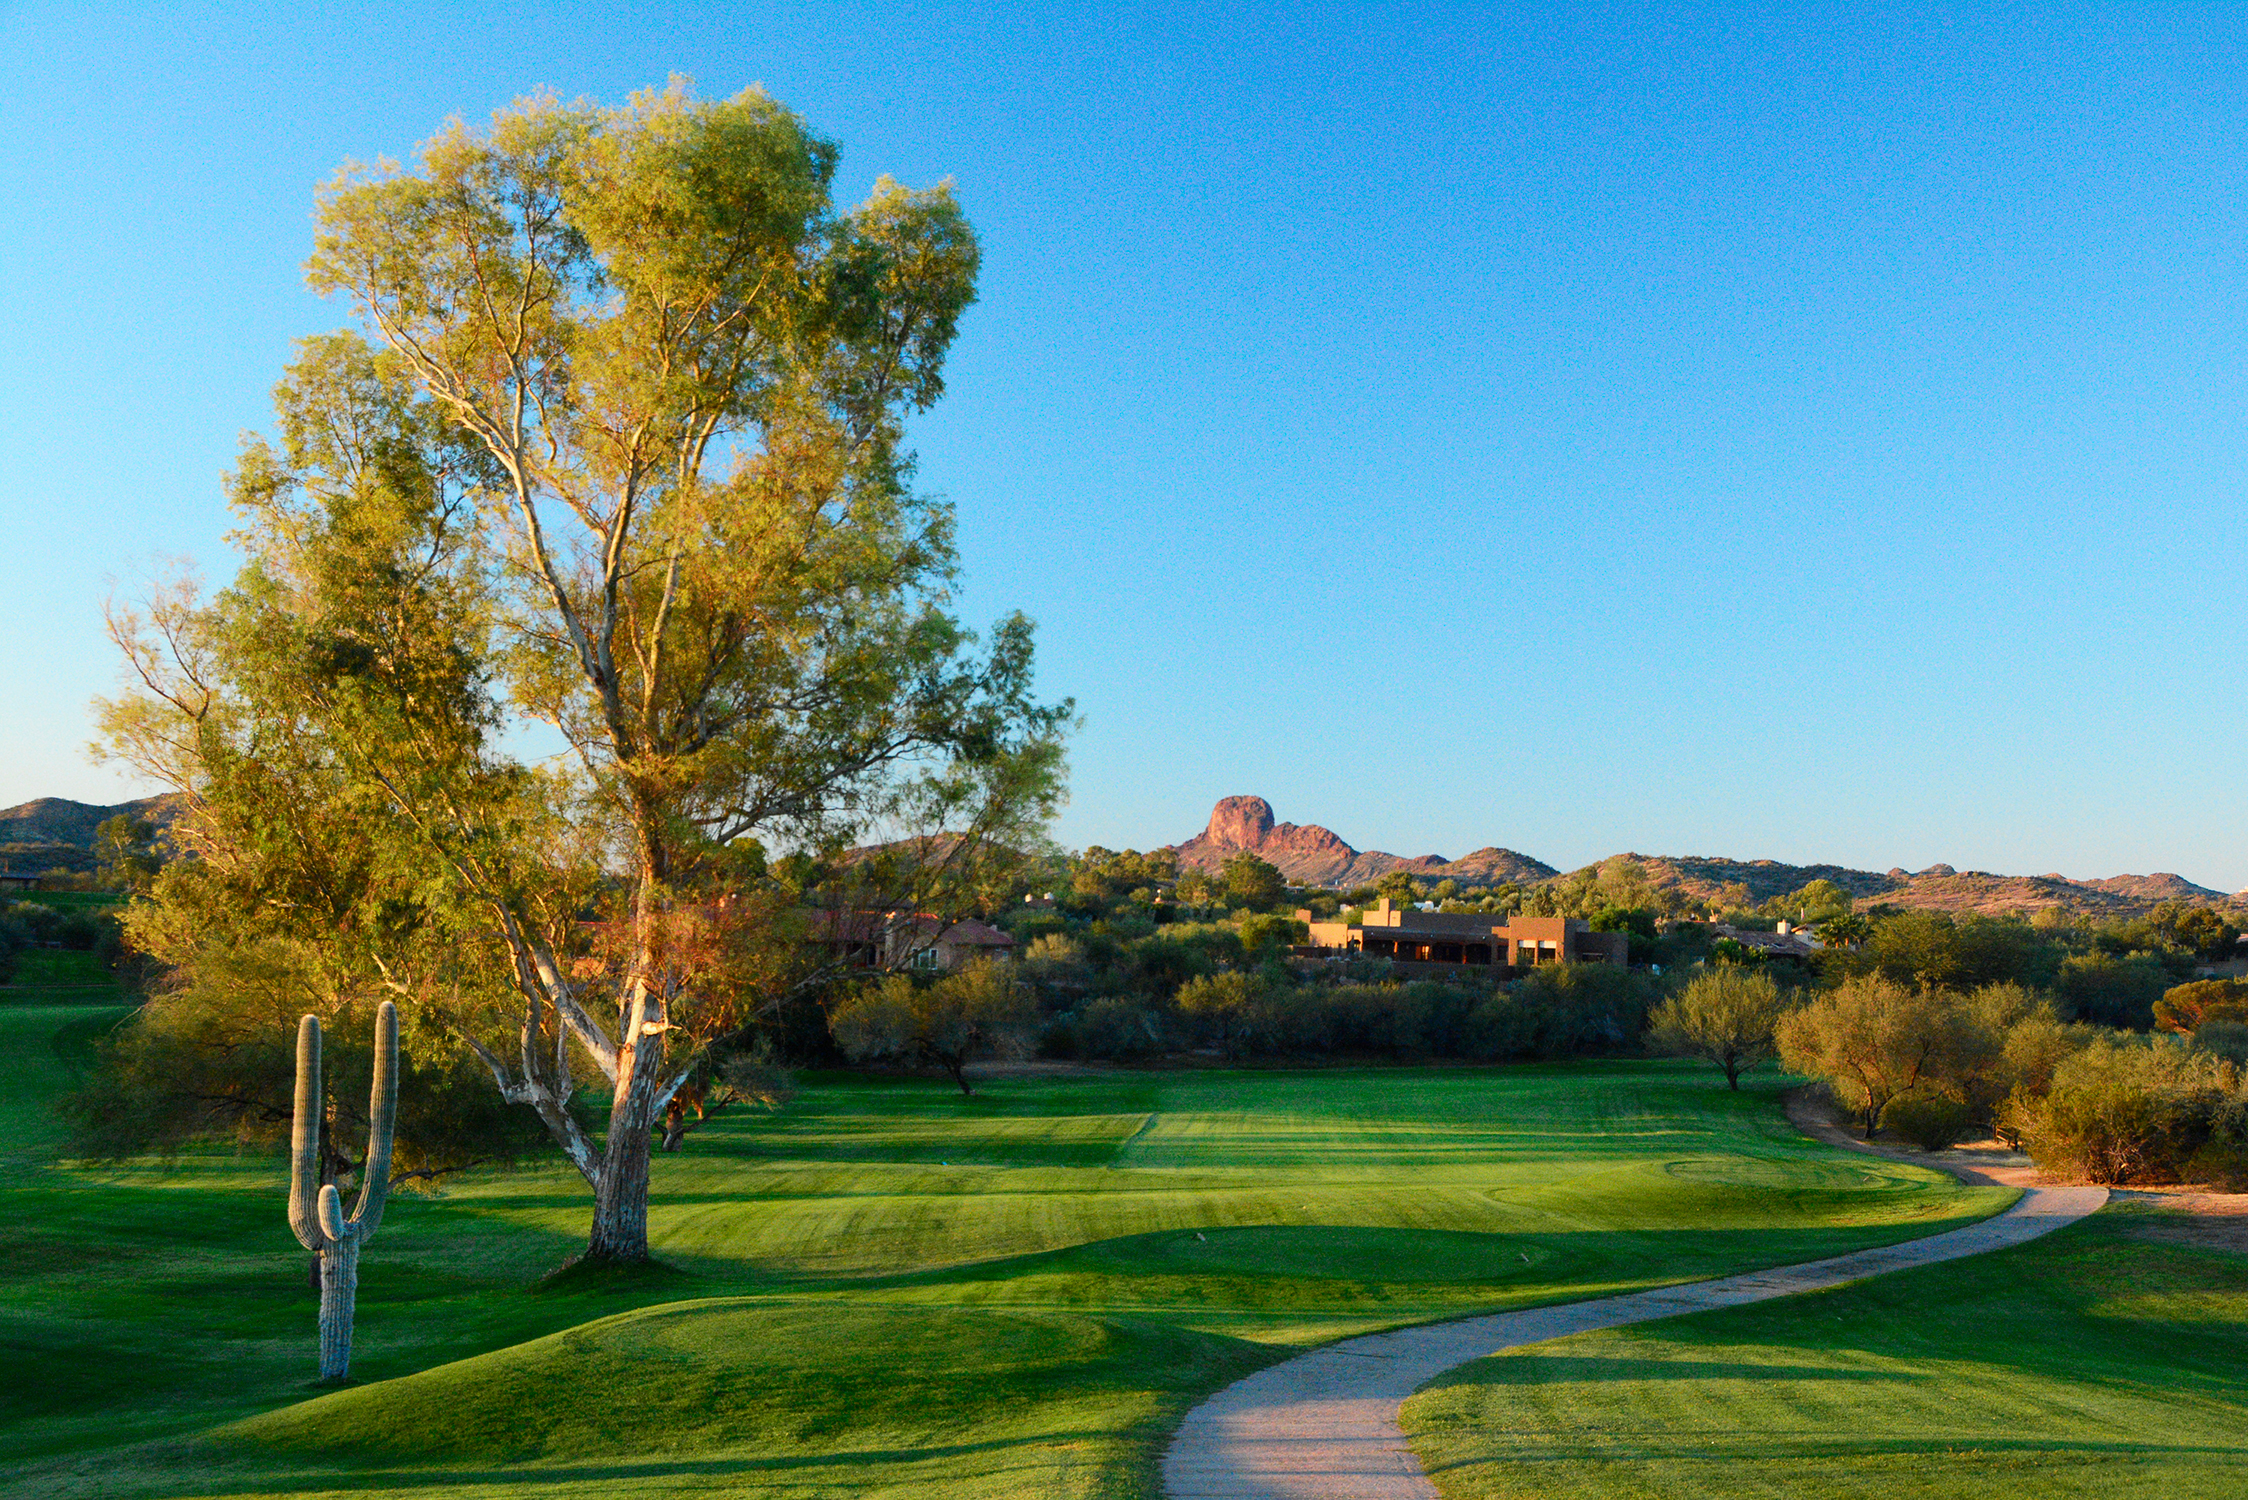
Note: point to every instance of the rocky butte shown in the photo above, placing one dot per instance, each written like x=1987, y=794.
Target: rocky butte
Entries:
x=1311, y=855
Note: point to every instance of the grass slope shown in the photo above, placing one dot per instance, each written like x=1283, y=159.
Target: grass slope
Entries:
x=884, y=1290
x=2092, y=1363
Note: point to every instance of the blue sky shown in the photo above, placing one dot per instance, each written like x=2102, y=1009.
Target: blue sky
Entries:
x=1813, y=434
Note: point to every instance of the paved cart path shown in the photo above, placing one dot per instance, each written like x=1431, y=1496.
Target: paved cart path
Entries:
x=1323, y=1426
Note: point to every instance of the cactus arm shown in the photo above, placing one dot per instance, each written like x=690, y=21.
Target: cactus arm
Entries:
x=382, y=1125
x=304, y=1140
x=331, y=1216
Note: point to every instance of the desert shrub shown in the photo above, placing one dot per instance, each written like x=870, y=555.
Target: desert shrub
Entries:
x=2111, y=990
x=1272, y=930
x=1118, y=1028
x=1055, y=965
x=2187, y=1007
x=1587, y=1009
x=1933, y=1122
x=1390, y=1019
x=82, y=931
x=2222, y=1162
x=1225, y=1006
x=2125, y=1110
x=2225, y=1039
x=1500, y=1027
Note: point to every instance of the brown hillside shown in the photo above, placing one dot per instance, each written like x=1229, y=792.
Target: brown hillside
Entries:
x=1311, y=855
x=58, y=820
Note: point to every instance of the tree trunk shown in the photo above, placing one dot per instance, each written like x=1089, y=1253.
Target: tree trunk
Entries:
x=620, y=1198
x=620, y=1201
x=339, y=1296
x=958, y=1068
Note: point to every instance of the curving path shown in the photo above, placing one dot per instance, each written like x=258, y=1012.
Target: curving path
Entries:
x=1325, y=1423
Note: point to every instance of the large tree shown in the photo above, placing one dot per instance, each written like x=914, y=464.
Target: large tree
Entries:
x=620, y=467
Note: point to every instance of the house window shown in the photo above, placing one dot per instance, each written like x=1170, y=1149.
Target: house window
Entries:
x=923, y=958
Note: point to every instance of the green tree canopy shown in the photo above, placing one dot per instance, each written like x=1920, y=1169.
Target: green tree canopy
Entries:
x=1725, y=1015
x=624, y=459
x=1253, y=882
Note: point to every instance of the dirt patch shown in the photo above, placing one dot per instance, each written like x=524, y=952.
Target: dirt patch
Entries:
x=2184, y=1215
x=1986, y=1163
x=2190, y=1216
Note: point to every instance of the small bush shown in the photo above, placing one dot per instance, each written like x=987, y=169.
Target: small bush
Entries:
x=2225, y=1039
x=1119, y=1028
x=1931, y=1122
x=2129, y=1110
x=2221, y=1162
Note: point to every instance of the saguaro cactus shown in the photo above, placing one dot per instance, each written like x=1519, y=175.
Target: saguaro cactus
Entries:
x=316, y=1208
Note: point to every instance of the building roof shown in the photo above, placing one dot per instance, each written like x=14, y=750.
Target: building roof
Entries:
x=1785, y=944
x=974, y=934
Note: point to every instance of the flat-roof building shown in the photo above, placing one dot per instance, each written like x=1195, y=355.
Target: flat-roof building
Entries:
x=1468, y=939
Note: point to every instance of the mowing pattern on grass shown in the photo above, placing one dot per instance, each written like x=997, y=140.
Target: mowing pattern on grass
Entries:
x=894, y=1290
x=1324, y=1425
x=2089, y=1364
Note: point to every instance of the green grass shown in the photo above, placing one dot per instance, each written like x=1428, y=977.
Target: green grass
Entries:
x=2091, y=1363
x=50, y=976
x=884, y=1290
x=68, y=900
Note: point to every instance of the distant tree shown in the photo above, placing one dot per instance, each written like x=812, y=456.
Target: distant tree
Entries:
x=1725, y=1015
x=1253, y=882
x=982, y=1011
x=1272, y=930
x=1196, y=888
x=2113, y=990
x=1636, y=920
x=1734, y=952
x=1399, y=886
x=1872, y=1040
x=2200, y=930
x=2188, y=1007
x=1844, y=931
x=1226, y=1002
x=124, y=845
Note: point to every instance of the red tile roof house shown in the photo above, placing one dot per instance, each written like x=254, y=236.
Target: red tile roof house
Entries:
x=906, y=940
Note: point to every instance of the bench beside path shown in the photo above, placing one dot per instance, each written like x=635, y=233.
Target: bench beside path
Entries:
x=1323, y=1426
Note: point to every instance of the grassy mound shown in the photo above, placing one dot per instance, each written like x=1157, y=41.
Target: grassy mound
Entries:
x=775, y=1394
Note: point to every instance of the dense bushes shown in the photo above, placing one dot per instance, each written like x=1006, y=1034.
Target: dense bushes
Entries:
x=2138, y=1109
x=1567, y=1011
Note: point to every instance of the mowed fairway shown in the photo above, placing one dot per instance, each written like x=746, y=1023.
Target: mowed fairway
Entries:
x=2097, y=1362
x=886, y=1289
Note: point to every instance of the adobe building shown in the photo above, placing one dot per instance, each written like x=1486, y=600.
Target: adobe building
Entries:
x=1468, y=940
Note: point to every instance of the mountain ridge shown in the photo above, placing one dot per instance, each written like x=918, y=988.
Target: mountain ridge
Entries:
x=1310, y=854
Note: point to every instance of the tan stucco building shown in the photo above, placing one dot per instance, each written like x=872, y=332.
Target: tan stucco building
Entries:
x=1468, y=940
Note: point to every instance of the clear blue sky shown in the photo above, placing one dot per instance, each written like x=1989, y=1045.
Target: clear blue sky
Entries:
x=1814, y=435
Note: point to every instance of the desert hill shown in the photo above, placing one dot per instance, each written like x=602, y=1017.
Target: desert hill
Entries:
x=58, y=820
x=55, y=833
x=1309, y=854
x=1312, y=855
